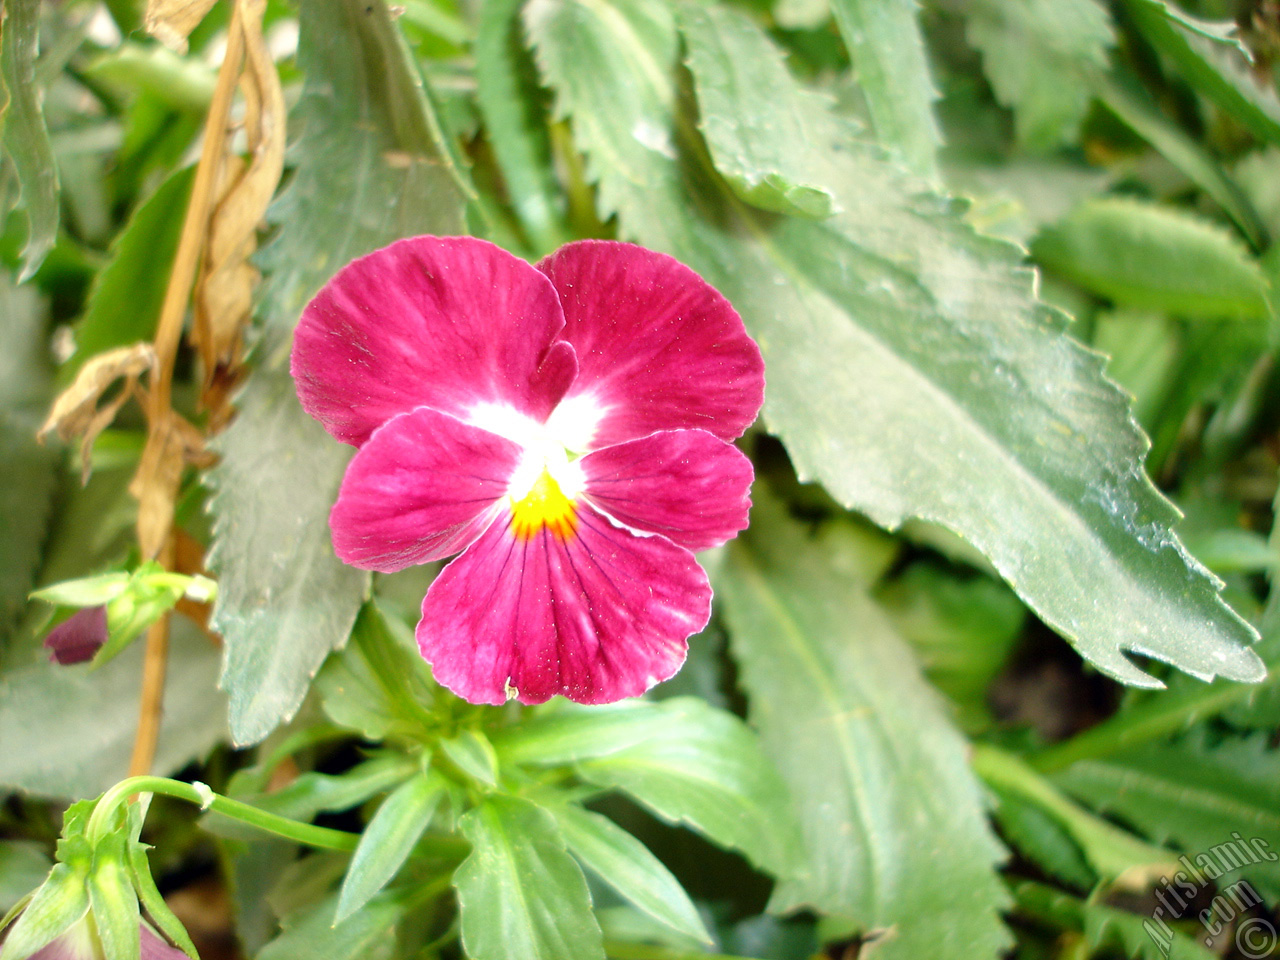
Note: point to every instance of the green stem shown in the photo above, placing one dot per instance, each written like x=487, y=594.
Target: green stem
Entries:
x=103, y=818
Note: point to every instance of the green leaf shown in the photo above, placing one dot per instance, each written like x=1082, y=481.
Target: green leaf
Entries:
x=112, y=900
x=626, y=864
x=286, y=601
x=59, y=903
x=706, y=769
x=884, y=40
x=1155, y=258
x=24, y=140
x=1043, y=840
x=68, y=731
x=1197, y=796
x=369, y=934
x=565, y=734
x=30, y=474
x=473, y=754
x=314, y=793
x=153, y=902
x=520, y=894
x=123, y=305
x=1035, y=52
x=1213, y=60
x=910, y=367
x=388, y=841
x=507, y=92
x=865, y=746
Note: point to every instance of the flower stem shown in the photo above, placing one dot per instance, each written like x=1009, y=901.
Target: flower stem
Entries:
x=102, y=820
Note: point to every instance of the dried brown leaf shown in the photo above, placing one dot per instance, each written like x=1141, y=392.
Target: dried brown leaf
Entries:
x=171, y=21
x=171, y=445
x=80, y=411
x=224, y=290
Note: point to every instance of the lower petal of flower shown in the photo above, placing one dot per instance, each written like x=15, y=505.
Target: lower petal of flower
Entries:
x=596, y=615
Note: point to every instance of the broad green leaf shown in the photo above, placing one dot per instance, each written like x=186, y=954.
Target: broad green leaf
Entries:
x=520, y=894
x=388, y=840
x=27, y=489
x=1214, y=61
x=1142, y=350
x=878, y=772
x=508, y=95
x=910, y=367
x=23, y=867
x=566, y=734
x=68, y=731
x=1034, y=52
x=1201, y=798
x=892, y=71
x=61, y=901
x=112, y=900
x=124, y=301
x=285, y=600
x=626, y=864
x=706, y=769
x=24, y=140
x=1152, y=257
x=369, y=934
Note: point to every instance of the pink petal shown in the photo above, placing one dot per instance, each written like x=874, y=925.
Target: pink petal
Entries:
x=154, y=948
x=687, y=485
x=658, y=347
x=596, y=616
x=79, y=637
x=421, y=489
x=444, y=322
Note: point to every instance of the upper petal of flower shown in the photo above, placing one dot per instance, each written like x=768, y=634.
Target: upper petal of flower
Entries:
x=421, y=489
x=446, y=322
x=658, y=348
x=687, y=485
x=579, y=607
x=79, y=637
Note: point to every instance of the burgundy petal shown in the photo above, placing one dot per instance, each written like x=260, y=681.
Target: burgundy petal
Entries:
x=658, y=347
x=421, y=489
x=687, y=485
x=153, y=948
x=444, y=322
x=597, y=615
x=79, y=637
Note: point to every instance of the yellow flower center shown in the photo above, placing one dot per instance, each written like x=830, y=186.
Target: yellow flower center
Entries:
x=545, y=505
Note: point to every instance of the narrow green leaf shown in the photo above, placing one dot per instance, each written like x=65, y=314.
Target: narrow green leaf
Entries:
x=506, y=90
x=285, y=600
x=474, y=755
x=626, y=864
x=706, y=770
x=388, y=841
x=1033, y=52
x=892, y=70
x=124, y=302
x=911, y=368
x=153, y=902
x=60, y=902
x=520, y=894
x=1157, y=258
x=26, y=494
x=24, y=140
x=68, y=731
x=1214, y=61
x=1200, y=797
x=568, y=734
x=877, y=770
x=112, y=900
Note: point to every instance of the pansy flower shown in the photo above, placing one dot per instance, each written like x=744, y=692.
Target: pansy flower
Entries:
x=567, y=428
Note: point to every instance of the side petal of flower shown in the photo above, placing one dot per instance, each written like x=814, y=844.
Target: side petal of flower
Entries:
x=79, y=637
x=421, y=489
x=445, y=322
x=658, y=347
x=596, y=615
x=687, y=485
